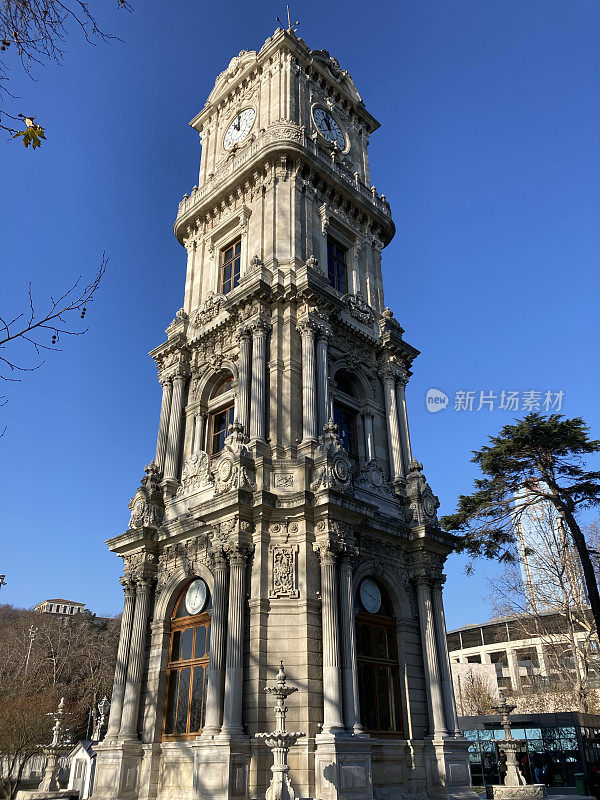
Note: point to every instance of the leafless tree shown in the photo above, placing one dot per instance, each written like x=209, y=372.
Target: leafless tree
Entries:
x=546, y=595
x=474, y=690
x=41, y=331
x=33, y=33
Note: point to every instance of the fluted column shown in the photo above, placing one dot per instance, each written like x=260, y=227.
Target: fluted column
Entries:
x=173, y=442
x=244, y=338
x=118, y=692
x=234, y=670
x=349, y=653
x=216, y=667
x=323, y=378
x=163, y=425
x=260, y=330
x=430, y=660
x=309, y=405
x=332, y=695
x=404, y=429
x=369, y=435
x=444, y=658
x=131, y=701
x=391, y=412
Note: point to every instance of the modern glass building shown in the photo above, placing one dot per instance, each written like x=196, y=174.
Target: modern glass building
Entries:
x=561, y=745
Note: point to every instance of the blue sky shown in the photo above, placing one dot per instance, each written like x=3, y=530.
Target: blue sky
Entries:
x=488, y=153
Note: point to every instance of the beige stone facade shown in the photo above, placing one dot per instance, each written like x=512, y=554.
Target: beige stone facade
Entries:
x=284, y=487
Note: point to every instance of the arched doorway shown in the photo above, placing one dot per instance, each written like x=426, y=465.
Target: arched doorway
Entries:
x=189, y=648
x=377, y=655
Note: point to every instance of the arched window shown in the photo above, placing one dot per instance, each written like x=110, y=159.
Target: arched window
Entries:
x=336, y=265
x=189, y=649
x=344, y=413
x=378, y=669
x=221, y=411
x=230, y=266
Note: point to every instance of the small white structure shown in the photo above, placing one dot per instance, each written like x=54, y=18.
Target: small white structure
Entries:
x=83, y=766
x=60, y=606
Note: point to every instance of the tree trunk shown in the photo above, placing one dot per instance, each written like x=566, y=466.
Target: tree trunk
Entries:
x=589, y=574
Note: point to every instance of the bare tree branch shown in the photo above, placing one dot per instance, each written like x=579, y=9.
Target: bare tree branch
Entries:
x=31, y=327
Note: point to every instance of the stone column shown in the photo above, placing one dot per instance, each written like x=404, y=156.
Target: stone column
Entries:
x=118, y=692
x=430, y=661
x=323, y=378
x=391, y=411
x=513, y=669
x=260, y=330
x=369, y=435
x=349, y=653
x=216, y=667
x=332, y=695
x=309, y=405
x=243, y=336
x=234, y=670
x=199, y=431
x=163, y=425
x=404, y=430
x=174, y=438
x=131, y=701
x=444, y=657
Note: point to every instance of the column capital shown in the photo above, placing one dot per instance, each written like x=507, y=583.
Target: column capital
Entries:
x=128, y=585
x=243, y=332
x=307, y=327
x=260, y=327
x=367, y=411
x=422, y=579
x=238, y=552
x=326, y=552
x=165, y=380
x=323, y=331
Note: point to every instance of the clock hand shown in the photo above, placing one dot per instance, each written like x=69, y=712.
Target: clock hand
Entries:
x=239, y=122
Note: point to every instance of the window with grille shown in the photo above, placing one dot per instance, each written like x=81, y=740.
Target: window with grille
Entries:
x=230, y=266
x=336, y=265
x=185, y=708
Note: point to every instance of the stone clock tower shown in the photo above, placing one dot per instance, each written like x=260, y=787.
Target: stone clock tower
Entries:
x=283, y=516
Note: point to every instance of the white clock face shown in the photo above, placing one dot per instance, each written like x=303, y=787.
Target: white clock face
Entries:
x=196, y=596
x=239, y=128
x=370, y=596
x=328, y=128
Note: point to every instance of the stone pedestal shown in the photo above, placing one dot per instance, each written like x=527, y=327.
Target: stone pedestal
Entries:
x=221, y=768
x=118, y=766
x=343, y=767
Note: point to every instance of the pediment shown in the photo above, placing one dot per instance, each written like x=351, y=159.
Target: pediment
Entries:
x=341, y=76
x=236, y=66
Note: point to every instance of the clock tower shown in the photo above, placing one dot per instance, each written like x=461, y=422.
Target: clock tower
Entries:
x=283, y=515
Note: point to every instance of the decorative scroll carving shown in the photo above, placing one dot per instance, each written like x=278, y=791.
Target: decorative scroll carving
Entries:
x=209, y=309
x=359, y=308
x=284, y=581
x=333, y=468
x=234, y=468
x=183, y=555
x=147, y=505
x=422, y=503
x=195, y=474
x=373, y=479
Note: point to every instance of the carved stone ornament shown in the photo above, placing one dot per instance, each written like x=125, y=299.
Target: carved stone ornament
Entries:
x=195, y=474
x=333, y=468
x=422, y=502
x=359, y=308
x=139, y=566
x=186, y=555
x=373, y=479
x=147, y=505
x=284, y=581
x=234, y=467
x=209, y=310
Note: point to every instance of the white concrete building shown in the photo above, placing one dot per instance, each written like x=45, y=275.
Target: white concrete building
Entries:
x=262, y=530
x=60, y=606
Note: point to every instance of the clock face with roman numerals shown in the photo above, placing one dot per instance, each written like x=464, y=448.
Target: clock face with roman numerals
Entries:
x=328, y=127
x=239, y=128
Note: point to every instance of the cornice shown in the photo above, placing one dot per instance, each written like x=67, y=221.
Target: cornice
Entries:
x=282, y=137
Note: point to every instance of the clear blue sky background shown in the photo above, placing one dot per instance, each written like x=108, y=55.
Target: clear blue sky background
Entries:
x=488, y=153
